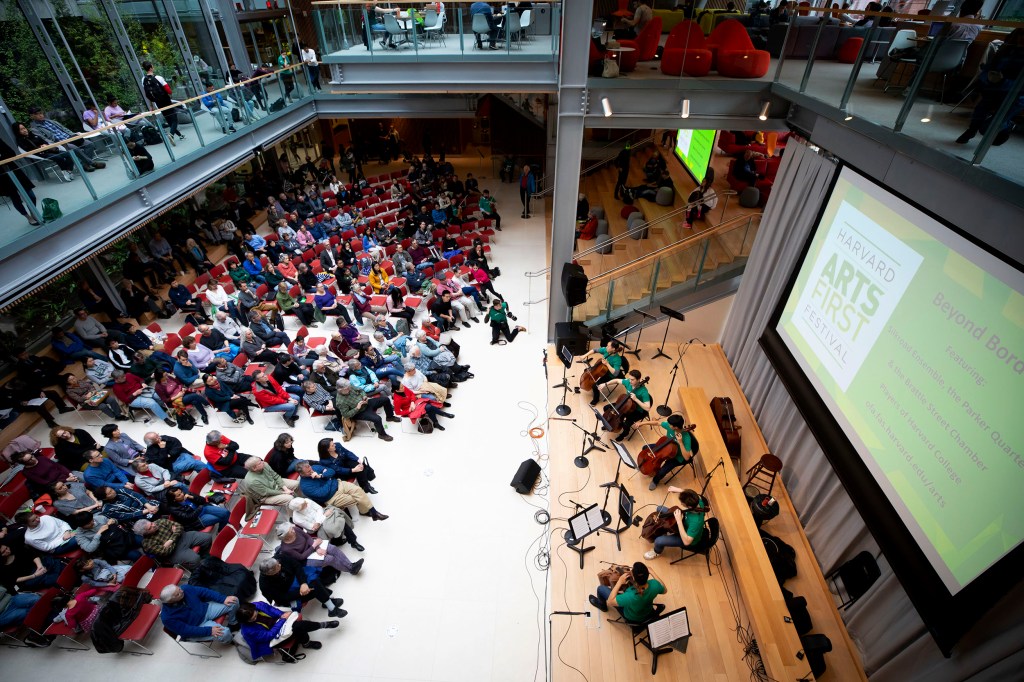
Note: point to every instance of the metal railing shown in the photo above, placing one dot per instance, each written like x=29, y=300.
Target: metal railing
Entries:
x=540, y=194
x=684, y=263
x=544, y=179
x=675, y=213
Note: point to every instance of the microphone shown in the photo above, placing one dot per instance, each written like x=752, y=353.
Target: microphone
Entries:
x=609, y=485
x=571, y=613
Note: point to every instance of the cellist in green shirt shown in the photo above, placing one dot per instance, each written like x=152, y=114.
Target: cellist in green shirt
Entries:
x=611, y=355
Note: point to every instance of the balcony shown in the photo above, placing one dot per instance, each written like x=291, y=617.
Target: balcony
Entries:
x=918, y=106
x=370, y=49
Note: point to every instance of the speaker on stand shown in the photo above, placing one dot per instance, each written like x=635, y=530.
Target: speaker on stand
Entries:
x=574, y=284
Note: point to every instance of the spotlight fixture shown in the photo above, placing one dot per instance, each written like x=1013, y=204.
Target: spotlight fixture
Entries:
x=764, y=110
x=607, y=106
x=927, y=118
x=685, y=111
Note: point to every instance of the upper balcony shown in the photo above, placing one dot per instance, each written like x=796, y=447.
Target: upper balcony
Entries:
x=911, y=82
x=369, y=48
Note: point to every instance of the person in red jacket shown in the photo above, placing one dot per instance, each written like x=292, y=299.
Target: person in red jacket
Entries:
x=272, y=398
x=408, y=404
x=223, y=455
x=130, y=390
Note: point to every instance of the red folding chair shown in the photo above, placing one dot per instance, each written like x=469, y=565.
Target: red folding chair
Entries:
x=161, y=578
x=245, y=551
x=136, y=633
x=36, y=621
x=259, y=526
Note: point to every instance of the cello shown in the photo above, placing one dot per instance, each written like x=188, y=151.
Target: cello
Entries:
x=652, y=457
x=726, y=418
x=592, y=374
x=660, y=523
x=613, y=413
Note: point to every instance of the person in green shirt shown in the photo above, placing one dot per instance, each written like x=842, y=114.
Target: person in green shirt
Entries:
x=498, y=315
x=610, y=355
x=689, y=522
x=489, y=208
x=632, y=383
x=685, y=443
x=634, y=594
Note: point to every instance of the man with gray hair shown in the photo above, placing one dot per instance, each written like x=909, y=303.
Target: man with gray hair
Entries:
x=169, y=541
x=265, y=486
x=231, y=330
x=366, y=380
x=352, y=403
x=232, y=376
x=191, y=612
x=325, y=375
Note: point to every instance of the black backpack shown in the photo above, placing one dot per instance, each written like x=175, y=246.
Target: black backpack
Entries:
x=155, y=92
x=151, y=136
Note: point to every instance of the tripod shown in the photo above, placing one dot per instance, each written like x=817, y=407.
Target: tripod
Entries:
x=636, y=346
x=669, y=316
x=619, y=528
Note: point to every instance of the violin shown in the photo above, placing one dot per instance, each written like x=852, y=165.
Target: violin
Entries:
x=592, y=374
x=613, y=414
x=652, y=457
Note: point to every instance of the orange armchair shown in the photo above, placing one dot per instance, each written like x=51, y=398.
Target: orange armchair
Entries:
x=733, y=52
x=645, y=46
x=686, y=51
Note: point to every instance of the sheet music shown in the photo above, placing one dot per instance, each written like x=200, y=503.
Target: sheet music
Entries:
x=669, y=628
x=586, y=522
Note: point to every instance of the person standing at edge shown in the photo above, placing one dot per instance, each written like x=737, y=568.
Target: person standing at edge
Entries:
x=527, y=186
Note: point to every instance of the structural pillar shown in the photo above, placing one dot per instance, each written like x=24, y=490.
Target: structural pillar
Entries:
x=572, y=108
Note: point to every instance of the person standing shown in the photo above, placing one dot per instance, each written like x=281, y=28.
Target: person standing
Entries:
x=527, y=186
x=158, y=92
x=622, y=162
x=308, y=56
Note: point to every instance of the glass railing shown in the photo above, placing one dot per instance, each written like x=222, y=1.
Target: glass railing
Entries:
x=690, y=264
x=445, y=31
x=921, y=76
x=53, y=181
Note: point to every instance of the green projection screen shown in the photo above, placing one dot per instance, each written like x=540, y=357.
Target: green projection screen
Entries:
x=693, y=149
x=912, y=337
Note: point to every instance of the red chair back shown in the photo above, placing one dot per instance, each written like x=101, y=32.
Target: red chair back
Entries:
x=199, y=482
x=225, y=536
x=730, y=35
x=686, y=35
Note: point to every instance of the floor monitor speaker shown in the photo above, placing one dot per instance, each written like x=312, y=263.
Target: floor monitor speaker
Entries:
x=571, y=335
x=526, y=477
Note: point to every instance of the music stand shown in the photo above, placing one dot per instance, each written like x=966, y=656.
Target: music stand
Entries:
x=636, y=346
x=627, y=459
x=582, y=524
x=566, y=357
x=670, y=315
x=667, y=632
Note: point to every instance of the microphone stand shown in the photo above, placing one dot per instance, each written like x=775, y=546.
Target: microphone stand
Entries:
x=636, y=348
x=563, y=409
x=664, y=410
x=707, y=480
x=581, y=460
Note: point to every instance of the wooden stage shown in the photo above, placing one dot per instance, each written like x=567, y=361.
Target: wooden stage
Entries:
x=742, y=586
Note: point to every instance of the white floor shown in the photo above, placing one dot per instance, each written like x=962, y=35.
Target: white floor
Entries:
x=448, y=591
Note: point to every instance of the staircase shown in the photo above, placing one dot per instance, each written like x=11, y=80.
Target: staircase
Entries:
x=691, y=263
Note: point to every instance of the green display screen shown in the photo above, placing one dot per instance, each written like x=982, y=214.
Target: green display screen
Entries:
x=914, y=339
x=693, y=148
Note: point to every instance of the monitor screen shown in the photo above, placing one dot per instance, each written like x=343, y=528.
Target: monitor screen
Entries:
x=693, y=149
x=625, y=505
x=912, y=338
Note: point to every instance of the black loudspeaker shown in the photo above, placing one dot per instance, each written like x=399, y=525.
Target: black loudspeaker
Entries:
x=570, y=335
x=574, y=284
x=526, y=477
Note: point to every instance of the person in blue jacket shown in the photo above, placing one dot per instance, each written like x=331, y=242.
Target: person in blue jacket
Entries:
x=261, y=624
x=191, y=613
x=527, y=187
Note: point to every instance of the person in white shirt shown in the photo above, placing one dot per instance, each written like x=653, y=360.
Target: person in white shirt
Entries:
x=326, y=523
x=47, y=533
x=308, y=57
x=231, y=330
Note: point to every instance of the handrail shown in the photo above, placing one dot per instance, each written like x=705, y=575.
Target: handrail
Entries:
x=685, y=241
x=629, y=233
x=920, y=18
x=144, y=114
x=615, y=142
x=592, y=167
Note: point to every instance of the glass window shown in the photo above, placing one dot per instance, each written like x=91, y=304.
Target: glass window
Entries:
x=26, y=79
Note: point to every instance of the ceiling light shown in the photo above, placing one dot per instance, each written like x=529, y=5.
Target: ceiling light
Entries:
x=685, y=111
x=607, y=106
x=764, y=110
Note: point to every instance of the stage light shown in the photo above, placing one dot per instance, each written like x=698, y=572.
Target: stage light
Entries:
x=607, y=106
x=764, y=110
x=685, y=111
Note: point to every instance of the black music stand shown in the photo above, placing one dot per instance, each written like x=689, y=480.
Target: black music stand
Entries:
x=671, y=315
x=566, y=357
x=669, y=631
x=636, y=346
x=627, y=459
x=582, y=524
